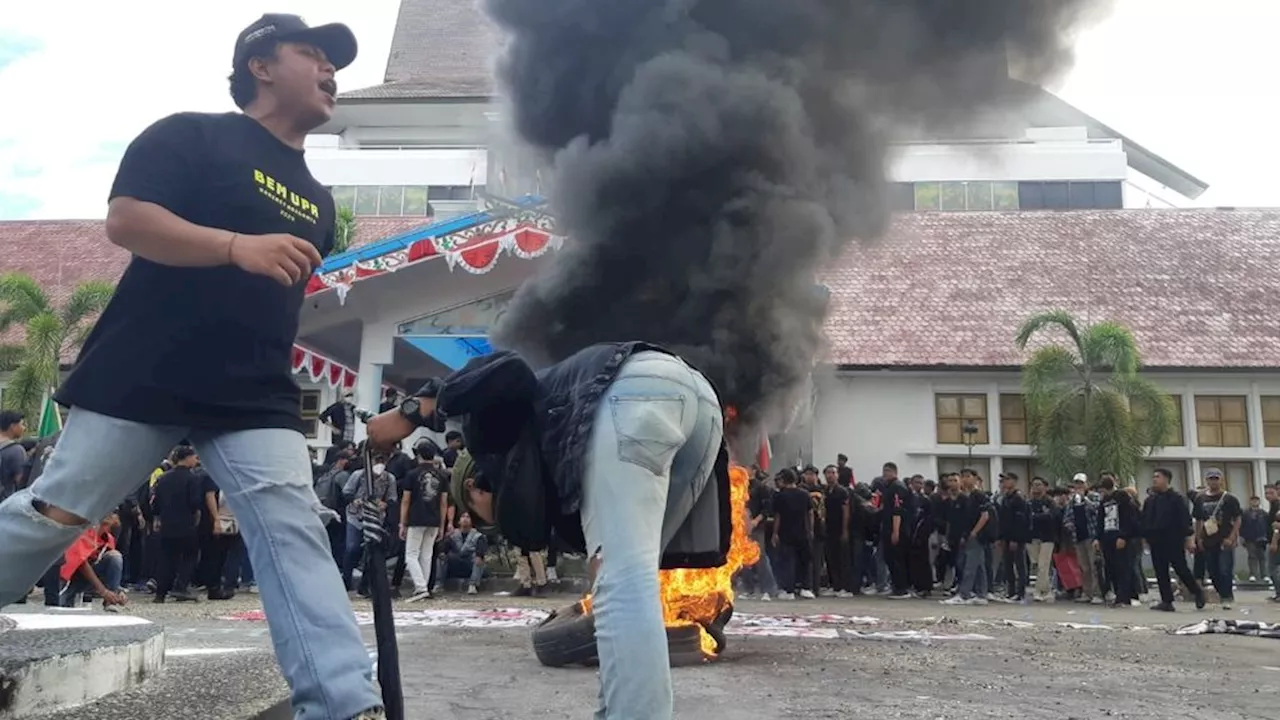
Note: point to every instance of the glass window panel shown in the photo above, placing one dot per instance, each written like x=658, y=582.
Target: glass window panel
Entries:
x=1108, y=195
x=948, y=406
x=953, y=196
x=1231, y=408
x=415, y=201
x=928, y=196
x=390, y=199
x=1081, y=195
x=1031, y=195
x=366, y=200
x=1004, y=195
x=1056, y=196
x=978, y=196
x=1012, y=407
x=438, y=192
x=956, y=464
x=1206, y=409
x=1271, y=434
x=1209, y=434
x=950, y=432
x=1013, y=432
x=1273, y=473
x=1271, y=408
x=975, y=407
x=1235, y=434
x=344, y=196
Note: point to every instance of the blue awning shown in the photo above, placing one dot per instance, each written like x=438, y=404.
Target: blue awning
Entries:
x=450, y=350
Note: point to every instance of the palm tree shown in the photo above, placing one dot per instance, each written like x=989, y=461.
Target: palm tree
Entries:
x=50, y=333
x=1080, y=398
x=344, y=229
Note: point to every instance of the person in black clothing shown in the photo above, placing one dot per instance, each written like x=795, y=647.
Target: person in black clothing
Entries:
x=1253, y=533
x=1273, y=539
x=760, y=577
x=1118, y=527
x=919, y=508
x=1166, y=525
x=895, y=530
x=390, y=400
x=424, y=495
x=1046, y=526
x=453, y=444
x=177, y=501
x=1218, y=516
x=1015, y=532
x=792, y=535
x=837, y=533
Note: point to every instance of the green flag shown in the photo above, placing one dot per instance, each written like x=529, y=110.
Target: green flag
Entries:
x=50, y=418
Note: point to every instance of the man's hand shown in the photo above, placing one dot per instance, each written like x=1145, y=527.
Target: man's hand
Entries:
x=1191, y=545
x=893, y=538
x=1120, y=543
x=110, y=597
x=774, y=542
x=217, y=527
x=1097, y=546
x=282, y=257
x=404, y=532
x=1229, y=542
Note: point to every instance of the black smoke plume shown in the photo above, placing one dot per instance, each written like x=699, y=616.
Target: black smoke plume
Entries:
x=710, y=157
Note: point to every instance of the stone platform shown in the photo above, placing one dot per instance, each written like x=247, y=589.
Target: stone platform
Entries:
x=57, y=660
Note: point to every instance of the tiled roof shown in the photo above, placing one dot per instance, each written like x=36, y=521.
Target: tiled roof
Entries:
x=441, y=49
x=1197, y=287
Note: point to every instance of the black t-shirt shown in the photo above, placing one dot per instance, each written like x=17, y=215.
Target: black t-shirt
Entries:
x=1223, y=508
x=791, y=506
x=424, y=485
x=1045, y=524
x=894, y=499
x=205, y=347
x=836, y=499
x=178, y=497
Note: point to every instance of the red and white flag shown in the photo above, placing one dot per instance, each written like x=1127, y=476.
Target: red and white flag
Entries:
x=766, y=451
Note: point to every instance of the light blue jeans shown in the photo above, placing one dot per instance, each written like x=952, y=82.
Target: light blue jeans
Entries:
x=653, y=447
x=266, y=477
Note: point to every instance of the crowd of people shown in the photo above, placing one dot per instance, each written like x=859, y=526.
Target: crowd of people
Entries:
x=822, y=533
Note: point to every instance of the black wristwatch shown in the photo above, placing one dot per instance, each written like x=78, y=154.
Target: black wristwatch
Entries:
x=411, y=410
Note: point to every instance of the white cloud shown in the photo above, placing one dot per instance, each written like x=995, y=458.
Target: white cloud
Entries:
x=1188, y=79
x=97, y=73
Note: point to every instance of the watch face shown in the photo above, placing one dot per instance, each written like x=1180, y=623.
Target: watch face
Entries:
x=409, y=407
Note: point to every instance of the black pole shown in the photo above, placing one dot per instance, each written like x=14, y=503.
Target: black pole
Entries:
x=375, y=571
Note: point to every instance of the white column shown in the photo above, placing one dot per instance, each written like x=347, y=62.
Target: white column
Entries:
x=377, y=349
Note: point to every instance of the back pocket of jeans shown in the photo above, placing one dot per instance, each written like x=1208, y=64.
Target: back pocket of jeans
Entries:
x=650, y=429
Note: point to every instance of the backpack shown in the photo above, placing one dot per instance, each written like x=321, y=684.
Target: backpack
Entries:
x=329, y=490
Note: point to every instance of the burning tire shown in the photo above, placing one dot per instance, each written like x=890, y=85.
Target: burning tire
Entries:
x=568, y=637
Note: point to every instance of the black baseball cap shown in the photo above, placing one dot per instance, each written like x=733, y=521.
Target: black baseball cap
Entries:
x=335, y=39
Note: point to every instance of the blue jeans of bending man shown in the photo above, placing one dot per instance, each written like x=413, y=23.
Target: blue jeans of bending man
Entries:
x=266, y=478
x=653, y=446
x=110, y=570
x=459, y=566
x=973, y=581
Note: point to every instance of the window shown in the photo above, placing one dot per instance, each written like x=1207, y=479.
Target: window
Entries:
x=399, y=200
x=415, y=201
x=366, y=200
x=1013, y=420
x=1273, y=473
x=344, y=197
x=972, y=195
x=1175, y=437
x=956, y=464
x=1148, y=468
x=1058, y=195
x=391, y=200
x=1237, y=477
x=1271, y=420
x=311, y=413
x=1221, y=421
x=902, y=197
x=954, y=411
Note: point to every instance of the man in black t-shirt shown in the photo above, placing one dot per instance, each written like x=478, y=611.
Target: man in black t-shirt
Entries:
x=895, y=530
x=424, y=498
x=1272, y=500
x=836, y=541
x=793, y=535
x=1218, y=515
x=226, y=226
x=178, y=500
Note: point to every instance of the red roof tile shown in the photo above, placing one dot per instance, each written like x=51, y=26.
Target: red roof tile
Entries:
x=1198, y=288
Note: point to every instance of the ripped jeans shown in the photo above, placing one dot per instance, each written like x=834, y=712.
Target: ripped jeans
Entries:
x=653, y=447
x=266, y=478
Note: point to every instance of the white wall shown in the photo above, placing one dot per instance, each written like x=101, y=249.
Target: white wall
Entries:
x=1046, y=157
x=874, y=417
x=336, y=165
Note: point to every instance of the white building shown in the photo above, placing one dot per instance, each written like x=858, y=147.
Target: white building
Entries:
x=922, y=325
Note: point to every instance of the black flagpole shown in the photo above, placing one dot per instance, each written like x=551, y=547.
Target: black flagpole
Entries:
x=375, y=570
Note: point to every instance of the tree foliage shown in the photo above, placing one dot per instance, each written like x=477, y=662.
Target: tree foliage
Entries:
x=344, y=230
x=1088, y=409
x=51, y=332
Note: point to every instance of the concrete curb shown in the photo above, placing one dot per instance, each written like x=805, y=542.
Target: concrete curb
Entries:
x=54, y=662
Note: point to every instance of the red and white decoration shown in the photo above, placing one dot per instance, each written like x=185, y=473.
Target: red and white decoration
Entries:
x=321, y=369
x=475, y=249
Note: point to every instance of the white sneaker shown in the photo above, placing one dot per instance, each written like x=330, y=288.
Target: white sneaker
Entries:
x=471, y=590
x=903, y=596
x=1135, y=603
x=1095, y=601
x=786, y=596
x=551, y=575
x=416, y=597
x=954, y=600
x=1226, y=606
x=764, y=597
x=806, y=594
x=977, y=601
x=844, y=594
x=1253, y=578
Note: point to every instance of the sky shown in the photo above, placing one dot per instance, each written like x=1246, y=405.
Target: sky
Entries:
x=1188, y=79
